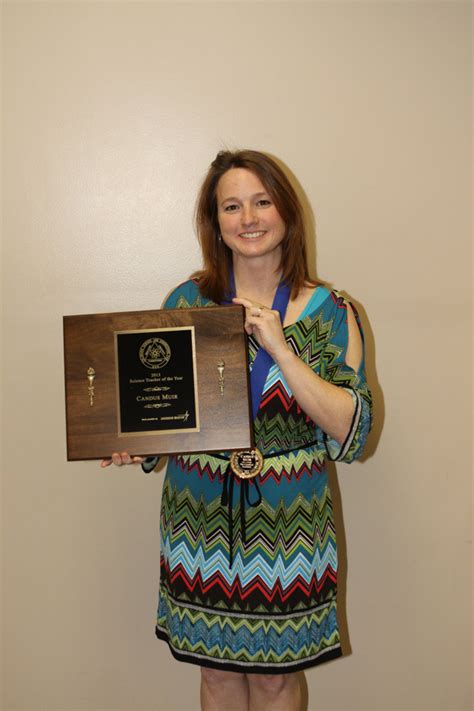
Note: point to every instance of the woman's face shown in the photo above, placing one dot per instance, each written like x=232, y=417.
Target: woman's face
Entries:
x=250, y=224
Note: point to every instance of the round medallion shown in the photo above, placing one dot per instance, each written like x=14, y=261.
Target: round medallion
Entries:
x=247, y=463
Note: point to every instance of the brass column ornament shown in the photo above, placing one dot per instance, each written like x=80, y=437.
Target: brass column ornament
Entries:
x=220, y=368
x=91, y=378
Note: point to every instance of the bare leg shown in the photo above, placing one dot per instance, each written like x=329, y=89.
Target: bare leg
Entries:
x=223, y=691
x=280, y=692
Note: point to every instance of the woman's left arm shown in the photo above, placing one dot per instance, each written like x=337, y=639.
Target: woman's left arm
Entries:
x=330, y=406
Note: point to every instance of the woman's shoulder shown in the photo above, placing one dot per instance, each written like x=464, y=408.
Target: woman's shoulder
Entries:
x=339, y=310
x=332, y=297
x=316, y=298
x=342, y=302
x=185, y=296
x=329, y=303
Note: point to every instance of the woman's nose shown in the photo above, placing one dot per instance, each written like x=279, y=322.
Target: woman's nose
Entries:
x=249, y=216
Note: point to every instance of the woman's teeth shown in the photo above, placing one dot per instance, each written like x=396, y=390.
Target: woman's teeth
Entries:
x=252, y=235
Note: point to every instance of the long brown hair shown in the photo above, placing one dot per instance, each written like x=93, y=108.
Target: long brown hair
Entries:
x=217, y=257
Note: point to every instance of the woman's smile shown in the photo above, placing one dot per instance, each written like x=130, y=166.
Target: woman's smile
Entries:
x=252, y=235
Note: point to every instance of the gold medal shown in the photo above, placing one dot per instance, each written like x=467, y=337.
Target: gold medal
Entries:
x=246, y=463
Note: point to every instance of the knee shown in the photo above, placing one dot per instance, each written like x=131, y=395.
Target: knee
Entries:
x=216, y=677
x=272, y=684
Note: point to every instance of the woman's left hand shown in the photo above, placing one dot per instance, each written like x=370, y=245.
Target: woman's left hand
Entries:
x=265, y=324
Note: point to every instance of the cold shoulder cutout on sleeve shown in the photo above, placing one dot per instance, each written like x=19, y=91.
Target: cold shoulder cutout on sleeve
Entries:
x=335, y=370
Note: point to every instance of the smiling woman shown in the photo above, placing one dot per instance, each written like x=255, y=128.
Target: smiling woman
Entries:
x=248, y=584
x=249, y=221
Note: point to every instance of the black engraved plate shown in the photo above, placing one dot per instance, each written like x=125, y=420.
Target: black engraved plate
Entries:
x=157, y=381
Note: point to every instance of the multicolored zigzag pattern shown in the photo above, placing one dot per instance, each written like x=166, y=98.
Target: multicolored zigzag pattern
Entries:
x=271, y=605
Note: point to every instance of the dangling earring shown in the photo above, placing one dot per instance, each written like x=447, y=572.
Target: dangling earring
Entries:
x=220, y=238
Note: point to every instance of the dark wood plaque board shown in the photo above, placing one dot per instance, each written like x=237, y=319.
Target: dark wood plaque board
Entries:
x=223, y=420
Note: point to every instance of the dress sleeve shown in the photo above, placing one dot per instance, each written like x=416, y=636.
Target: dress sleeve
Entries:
x=149, y=464
x=185, y=296
x=335, y=370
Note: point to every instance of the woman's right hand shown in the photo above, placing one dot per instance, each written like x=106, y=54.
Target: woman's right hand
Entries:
x=121, y=458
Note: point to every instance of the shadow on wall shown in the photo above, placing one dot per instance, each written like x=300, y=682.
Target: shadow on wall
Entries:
x=304, y=692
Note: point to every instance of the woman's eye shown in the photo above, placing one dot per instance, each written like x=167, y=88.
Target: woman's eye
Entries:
x=230, y=208
x=264, y=202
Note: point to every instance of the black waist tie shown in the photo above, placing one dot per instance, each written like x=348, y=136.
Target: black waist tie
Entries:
x=227, y=499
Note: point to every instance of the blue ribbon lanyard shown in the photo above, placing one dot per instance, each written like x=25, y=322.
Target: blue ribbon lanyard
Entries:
x=263, y=361
x=258, y=375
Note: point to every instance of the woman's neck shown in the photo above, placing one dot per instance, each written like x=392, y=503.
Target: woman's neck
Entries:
x=257, y=282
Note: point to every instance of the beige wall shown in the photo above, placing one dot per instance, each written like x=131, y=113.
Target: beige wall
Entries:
x=112, y=112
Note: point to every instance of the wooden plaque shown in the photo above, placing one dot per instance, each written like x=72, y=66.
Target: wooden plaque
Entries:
x=156, y=382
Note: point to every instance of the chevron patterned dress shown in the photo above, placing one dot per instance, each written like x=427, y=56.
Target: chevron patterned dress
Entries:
x=248, y=577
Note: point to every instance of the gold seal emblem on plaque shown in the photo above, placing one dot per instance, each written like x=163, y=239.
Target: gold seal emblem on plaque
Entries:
x=247, y=463
x=155, y=353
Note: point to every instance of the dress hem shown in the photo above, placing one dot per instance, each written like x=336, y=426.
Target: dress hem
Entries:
x=248, y=667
